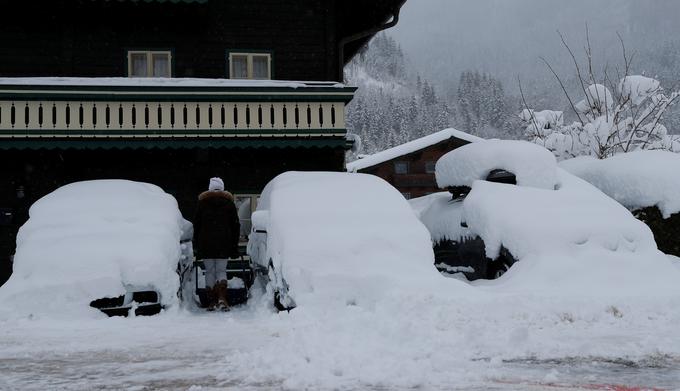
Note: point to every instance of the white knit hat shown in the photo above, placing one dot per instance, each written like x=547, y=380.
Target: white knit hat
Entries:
x=216, y=183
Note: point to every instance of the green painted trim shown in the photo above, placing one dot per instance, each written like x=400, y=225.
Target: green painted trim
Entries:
x=171, y=144
x=173, y=97
x=227, y=52
x=77, y=132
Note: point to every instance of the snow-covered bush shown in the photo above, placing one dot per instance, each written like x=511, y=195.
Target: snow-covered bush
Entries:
x=625, y=120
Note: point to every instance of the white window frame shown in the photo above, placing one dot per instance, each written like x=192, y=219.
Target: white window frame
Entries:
x=149, y=61
x=249, y=64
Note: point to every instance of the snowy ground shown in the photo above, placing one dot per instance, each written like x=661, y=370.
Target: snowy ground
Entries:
x=427, y=343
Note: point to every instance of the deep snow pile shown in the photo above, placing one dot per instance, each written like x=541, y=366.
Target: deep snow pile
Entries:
x=533, y=165
x=636, y=179
x=342, y=238
x=88, y=240
x=573, y=240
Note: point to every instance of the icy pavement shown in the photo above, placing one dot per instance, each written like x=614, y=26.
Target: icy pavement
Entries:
x=426, y=345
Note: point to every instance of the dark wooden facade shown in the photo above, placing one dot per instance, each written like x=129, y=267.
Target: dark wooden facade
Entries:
x=90, y=38
x=416, y=181
x=306, y=39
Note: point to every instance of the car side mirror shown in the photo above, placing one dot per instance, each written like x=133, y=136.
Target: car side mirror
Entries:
x=260, y=220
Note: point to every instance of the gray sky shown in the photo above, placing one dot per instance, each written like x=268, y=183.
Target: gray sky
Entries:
x=507, y=37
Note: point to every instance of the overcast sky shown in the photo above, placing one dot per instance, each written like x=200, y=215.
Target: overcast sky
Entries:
x=507, y=37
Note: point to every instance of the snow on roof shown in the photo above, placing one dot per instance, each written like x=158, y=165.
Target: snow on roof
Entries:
x=636, y=179
x=161, y=82
x=532, y=164
x=90, y=240
x=409, y=147
x=340, y=236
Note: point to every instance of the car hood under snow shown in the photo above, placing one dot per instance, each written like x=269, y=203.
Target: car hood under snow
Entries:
x=90, y=240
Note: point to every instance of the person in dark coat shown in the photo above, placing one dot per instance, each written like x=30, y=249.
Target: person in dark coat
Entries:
x=216, y=235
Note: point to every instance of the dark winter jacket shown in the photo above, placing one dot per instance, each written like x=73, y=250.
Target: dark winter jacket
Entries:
x=216, y=226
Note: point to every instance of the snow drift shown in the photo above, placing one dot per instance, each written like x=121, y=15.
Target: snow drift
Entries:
x=90, y=240
x=342, y=238
x=635, y=179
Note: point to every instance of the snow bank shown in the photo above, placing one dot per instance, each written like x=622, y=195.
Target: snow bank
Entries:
x=409, y=147
x=90, y=240
x=342, y=238
x=574, y=240
x=636, y=179
x=532, y=164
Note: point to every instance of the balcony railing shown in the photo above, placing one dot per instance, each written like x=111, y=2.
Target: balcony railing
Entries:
x=170, y=108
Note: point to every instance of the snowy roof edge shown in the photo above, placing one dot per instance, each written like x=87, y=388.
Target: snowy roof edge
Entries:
x=160, y=82
x=409, y=147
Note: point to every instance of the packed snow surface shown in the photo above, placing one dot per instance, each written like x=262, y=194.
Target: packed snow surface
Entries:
x=409, y=147
x=160, y=82
x=637, y=179
x=532, y=164
x=89, y=240
x=339, y=237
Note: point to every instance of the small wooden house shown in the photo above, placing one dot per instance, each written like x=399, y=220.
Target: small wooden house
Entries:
x=410, y=167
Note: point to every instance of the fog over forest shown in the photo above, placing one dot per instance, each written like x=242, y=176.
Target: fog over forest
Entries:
x=457, y=63
x=506, y=37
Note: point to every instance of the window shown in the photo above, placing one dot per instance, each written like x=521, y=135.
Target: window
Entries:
x=250, y=66
x=149, y=63
x=429, y=167
x=401, y=167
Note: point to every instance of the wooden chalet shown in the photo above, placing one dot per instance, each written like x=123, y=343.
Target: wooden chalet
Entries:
x=410, y=167
x=173, y=92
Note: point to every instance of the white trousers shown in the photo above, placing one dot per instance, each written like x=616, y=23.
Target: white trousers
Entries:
x=215, y=270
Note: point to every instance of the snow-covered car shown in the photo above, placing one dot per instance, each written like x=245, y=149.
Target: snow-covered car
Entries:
x=508, y=200
x=646, y=182
x=109, y=245
x=323, y=237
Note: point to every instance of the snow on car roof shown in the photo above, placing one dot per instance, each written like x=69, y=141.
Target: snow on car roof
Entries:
x=532, y=164
x=409, y=147
x=636, y=179
x=89, y=240
x=344, y=236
